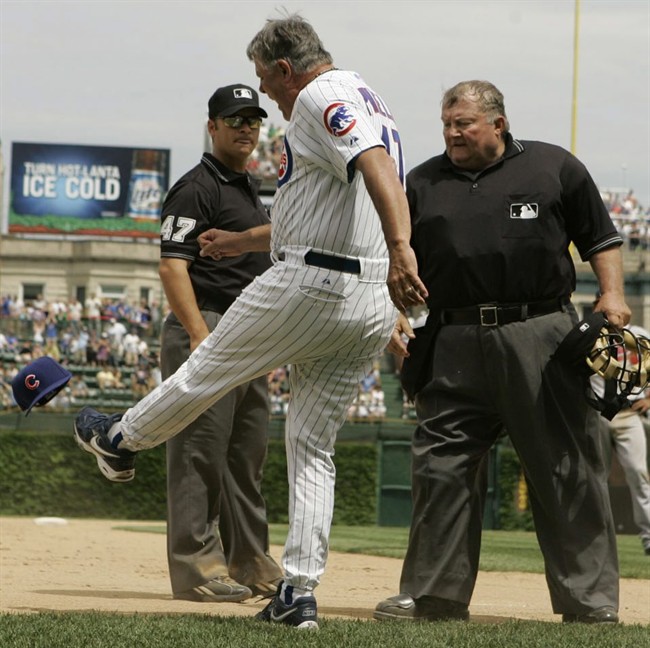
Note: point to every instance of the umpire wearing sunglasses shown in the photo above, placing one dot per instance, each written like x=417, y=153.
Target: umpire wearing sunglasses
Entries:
x=217, y=534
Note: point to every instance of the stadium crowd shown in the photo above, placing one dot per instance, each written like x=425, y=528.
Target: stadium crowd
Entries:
x=631, y=219
x=110, y=347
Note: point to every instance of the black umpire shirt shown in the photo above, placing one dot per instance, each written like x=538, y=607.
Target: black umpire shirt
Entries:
x=503, y=234
x=211, y=195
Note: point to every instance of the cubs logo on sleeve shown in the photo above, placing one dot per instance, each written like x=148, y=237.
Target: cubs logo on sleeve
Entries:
x=339, y=119
x=286, y=164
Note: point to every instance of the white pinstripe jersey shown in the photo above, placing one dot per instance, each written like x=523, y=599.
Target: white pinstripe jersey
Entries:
x=321, y=203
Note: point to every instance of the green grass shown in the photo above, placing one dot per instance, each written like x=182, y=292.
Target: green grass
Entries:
x=501, y=550
x=94, y=630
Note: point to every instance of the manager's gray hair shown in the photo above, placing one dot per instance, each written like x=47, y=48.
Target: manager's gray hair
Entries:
x=291, y=38
x=488, y=97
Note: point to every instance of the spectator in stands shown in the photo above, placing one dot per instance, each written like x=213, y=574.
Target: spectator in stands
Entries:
x=143, y=352
x=17, y=306
x=131, y=344
x=141, y=383
x=156, y=374
x=93, y=308
x=6, y=392
x=144, y=315
x=104, y=378
x=116, y=332
x=25, y=352
x=78, y=346
x=103, y=353
x=5, y=306
x=65, y=339
x=51, y=327
x=91, y=349
x=52, y=349
x=80, y=390
x=109, y=378
x=75, y=313
x=377, y=403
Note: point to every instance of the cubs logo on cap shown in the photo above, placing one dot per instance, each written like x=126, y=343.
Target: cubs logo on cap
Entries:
x=38, y=383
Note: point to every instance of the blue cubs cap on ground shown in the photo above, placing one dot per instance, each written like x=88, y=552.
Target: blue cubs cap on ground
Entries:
x=39, y=382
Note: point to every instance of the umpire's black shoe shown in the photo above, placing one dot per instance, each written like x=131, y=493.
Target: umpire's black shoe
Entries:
x=605, y=614
x=302, y=613
x=91, y=433
x=426, y=608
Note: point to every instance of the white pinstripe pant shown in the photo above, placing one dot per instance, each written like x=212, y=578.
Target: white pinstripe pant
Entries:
x=329, y=326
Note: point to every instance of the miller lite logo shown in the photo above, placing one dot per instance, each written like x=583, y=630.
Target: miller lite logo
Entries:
x=339, y=119
x=31, y=382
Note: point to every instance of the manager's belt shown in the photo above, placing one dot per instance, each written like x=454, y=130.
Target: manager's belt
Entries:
x=331, y=262
x=497, y=315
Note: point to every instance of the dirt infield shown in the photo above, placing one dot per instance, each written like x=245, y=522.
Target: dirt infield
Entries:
x=89, y=565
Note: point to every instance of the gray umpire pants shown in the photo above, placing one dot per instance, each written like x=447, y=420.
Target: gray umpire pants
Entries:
x=216, y=515
x=486, y=379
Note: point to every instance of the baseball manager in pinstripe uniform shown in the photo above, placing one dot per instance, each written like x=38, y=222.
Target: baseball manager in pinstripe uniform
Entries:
x=339, y=240
x=217, y=534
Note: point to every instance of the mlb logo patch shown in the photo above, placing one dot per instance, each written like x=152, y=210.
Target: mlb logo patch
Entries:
x=242, y=93
x=524, y=210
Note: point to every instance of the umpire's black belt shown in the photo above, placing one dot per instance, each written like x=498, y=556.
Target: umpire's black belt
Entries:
x=499, y=314
x=331, y=262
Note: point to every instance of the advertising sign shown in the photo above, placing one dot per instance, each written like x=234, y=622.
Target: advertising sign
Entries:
x=87, y=190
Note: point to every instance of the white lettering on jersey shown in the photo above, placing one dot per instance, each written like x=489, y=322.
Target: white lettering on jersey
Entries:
x=185, y=226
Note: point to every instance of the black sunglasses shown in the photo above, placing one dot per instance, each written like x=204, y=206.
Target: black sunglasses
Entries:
x=238, y=120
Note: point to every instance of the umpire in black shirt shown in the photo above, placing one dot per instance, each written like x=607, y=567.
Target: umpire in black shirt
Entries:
x=493, y=218
x=217, y=533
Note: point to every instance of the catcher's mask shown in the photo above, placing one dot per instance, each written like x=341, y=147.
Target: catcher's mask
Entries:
x=617, y=356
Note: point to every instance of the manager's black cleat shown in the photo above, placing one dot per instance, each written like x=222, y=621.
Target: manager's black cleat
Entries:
x=91, y=433
x=605, y=614
x=302, y=613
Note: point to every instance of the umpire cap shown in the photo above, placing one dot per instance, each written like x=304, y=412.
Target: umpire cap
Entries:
x=230, y=99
